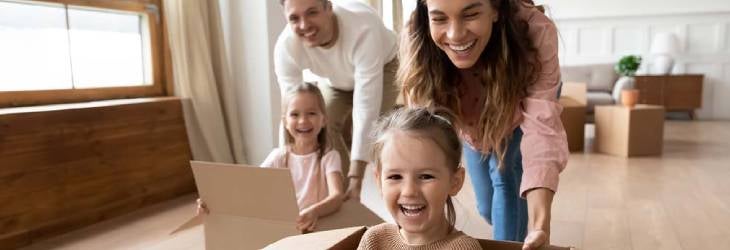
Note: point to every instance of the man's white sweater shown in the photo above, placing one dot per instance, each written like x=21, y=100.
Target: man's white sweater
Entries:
x=354, y=63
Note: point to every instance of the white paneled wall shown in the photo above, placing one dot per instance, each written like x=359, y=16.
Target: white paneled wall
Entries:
x=704, y=44
x=587, y=8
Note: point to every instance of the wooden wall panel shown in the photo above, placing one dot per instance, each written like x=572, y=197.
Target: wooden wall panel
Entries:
x=71, y=166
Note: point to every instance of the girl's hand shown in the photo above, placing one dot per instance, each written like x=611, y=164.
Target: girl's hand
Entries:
x=306, y=221
x=202, y=208
x=535, y=239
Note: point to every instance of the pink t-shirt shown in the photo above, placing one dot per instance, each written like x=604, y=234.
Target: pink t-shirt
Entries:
x=310, y=179
x=544, y=146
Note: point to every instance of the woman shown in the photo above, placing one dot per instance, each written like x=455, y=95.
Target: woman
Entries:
x=495, y=64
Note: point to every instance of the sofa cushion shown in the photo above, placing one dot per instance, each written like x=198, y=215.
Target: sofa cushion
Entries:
x=599, y=77
x=598, y=98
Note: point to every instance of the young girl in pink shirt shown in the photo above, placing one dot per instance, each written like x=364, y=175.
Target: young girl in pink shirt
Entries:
x=315, y=166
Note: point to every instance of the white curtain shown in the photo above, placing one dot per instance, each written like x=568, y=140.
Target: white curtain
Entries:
x=390, y=10
x=397, y=15
x=202, y=76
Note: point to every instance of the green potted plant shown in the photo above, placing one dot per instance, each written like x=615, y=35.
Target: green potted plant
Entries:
x=627, y=67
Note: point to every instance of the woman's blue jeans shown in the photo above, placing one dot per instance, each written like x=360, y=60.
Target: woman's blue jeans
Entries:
x=498, y=192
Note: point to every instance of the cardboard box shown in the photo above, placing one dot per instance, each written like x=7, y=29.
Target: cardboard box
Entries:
x=576, y=90
x=574, y=119
x=349, y=238
x=251, y=207
x=623, y=131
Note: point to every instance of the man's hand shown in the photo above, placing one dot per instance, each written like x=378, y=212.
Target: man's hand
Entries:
x=354, y=189
x=355, y=176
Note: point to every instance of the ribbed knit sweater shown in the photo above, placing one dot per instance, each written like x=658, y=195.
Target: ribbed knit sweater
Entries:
x=386, y=236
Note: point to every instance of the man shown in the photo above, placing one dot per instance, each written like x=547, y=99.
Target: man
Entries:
x=353, y=55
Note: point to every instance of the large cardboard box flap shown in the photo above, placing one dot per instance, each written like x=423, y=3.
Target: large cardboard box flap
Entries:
x=251, y=207
x=349, y=239
x=227, y=189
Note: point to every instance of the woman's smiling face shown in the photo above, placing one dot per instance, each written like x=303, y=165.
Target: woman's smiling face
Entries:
x=461, y=28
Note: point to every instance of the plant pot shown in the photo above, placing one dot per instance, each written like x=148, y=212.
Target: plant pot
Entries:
x=629, y=97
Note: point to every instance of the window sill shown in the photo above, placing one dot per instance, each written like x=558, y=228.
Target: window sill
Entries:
x=83, y=105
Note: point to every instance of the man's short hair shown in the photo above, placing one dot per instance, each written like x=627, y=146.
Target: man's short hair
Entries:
x=323, y=2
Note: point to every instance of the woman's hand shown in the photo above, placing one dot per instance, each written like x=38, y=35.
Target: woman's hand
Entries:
x=539, y=205
x=202, y=208
x=535, y=239
x=307, y=221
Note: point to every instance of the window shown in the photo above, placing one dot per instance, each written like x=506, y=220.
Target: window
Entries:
x=78, y=50
x=385, y=8
x=407, y=7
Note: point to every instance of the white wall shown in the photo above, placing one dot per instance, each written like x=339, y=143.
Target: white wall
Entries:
x=250, y=29
x=603, y=31
x=564, y=9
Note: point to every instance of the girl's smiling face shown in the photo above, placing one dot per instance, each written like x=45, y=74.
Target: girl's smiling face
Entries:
x=304, y=118
x=415, y=182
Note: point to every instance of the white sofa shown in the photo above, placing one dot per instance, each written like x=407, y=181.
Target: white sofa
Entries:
x=602, y=82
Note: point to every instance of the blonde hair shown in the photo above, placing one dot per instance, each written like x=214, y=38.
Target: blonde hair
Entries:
x=432, y=123
x=322, y=138
x=430, y=78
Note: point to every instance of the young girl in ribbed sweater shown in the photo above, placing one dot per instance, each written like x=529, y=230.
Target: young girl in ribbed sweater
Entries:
x=417, y=154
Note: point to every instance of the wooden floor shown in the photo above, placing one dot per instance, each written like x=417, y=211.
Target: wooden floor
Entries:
x=680, y=200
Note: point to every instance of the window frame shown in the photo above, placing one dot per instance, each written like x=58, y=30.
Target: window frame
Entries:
x=159, y=51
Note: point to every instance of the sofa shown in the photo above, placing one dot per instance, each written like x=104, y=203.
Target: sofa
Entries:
x=603, y=84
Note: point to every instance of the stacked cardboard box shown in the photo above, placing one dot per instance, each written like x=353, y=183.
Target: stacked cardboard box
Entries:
x=574, y=119
x=624, y=131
